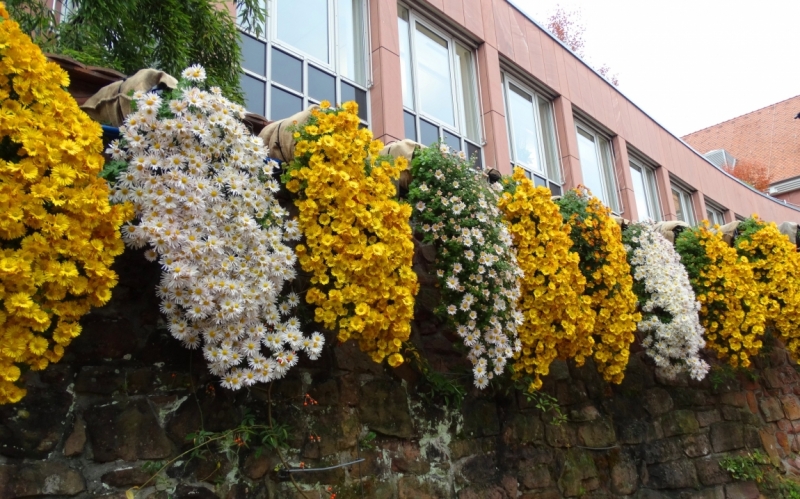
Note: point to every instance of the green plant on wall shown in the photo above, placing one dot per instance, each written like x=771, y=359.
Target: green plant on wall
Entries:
x=129, y=35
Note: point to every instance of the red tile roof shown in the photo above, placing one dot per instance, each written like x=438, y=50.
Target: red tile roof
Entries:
x=769, y=136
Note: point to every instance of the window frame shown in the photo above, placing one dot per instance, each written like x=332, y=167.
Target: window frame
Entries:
x=650, y=184
x=269, y=38
x=551, y=176
x=686, y=201
x=606, y=161
x=461, y=128
x=715, y=210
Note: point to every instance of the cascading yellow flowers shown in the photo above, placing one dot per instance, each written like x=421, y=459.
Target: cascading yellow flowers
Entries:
x=775, y=263
x=558, y=320
x=358, y=246
x=597, y=239
x=58, y=232
x=731, y=311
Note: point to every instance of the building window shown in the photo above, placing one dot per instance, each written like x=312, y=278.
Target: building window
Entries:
x=597, y=166
x=440, y=97
x=714, y=214
x=532, y=135
x=645, y=190
x=684, y=209
x=309, y=51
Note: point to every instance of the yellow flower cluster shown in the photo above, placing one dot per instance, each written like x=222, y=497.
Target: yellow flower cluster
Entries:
x=359, y=245
x=58, y=233
x=558, y=320
x=731, y=311
x=775, y=263
x=597, y=239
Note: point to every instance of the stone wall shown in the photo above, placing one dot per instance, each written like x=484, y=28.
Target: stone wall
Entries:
x=127, y=395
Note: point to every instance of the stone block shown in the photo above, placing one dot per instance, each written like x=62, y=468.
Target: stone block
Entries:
x=650, y=494
x=184, y=491
x=791, y=406
x=783, y=440
x=770, y=444
x=742, y=490
x=407, y=459
x=752, y=402
x=730, y=413
x=47, y=479
x=706, y=418
x=542, y=494
x=523, y=428
x=76, y=440
x=559, y=370
x=679, y=422
x=773, y=377
x=578, y=469
x=661, y=451
x=128, y=431
x=129, y=477
x=624, y=475
x=563, y=435
x=672, y=475
x=384, y=408
x=727, y=436
x=409, y=487
x=771, y=409
x=657, y=401
x=597, y=433
x=535, y=477
x=709, y=471
x=737, y=399
x=99, y=380
x=696, y=445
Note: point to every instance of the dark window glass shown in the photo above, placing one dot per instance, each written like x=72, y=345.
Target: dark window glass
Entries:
x=539, y=181
x=555, y=189
x=475, y=151
x=321, y=85
x=410, y=124
x=287, y=70
x=349, y=92
x=452, y=140
x=254, y=54
x=284, y=104
x=428, y=133
x=526, y=172
x=254, y=92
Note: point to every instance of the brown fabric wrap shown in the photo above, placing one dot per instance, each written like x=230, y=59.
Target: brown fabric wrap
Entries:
x=279, y=139
x=789, y=229
x=111, y=104
x=667, y=229
x=404, y=148
x=728, y=231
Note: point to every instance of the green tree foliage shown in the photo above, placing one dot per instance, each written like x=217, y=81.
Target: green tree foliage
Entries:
x=129, y=35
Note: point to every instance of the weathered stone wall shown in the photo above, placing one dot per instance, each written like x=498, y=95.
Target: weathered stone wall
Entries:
x=127, y=395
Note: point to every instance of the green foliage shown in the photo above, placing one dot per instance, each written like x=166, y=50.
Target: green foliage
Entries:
x=546, y=403
x=746, y=467
x=435, y=387
x=366, y=442
x=574, y=207
x=129, y=35
x=693, y=254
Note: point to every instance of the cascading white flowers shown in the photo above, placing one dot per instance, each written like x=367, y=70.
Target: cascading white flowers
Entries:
x=669, y=306
x=456, y=211
x=205, y=206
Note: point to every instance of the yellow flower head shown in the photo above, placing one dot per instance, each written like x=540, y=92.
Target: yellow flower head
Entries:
x=58, y=232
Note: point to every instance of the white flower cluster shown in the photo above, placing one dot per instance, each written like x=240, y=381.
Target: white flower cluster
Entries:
x=670, y=314
x=476, y=262
x=204, y=202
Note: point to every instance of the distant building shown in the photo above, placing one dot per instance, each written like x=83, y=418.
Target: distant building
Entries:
x=769, y=137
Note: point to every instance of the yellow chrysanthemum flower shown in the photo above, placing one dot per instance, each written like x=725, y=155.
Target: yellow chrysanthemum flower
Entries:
x=58, y=232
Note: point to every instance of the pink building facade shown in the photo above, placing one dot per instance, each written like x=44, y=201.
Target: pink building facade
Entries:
x=484, y=78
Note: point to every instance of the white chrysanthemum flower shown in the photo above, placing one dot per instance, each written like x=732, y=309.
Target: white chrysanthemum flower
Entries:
x=193, y=179
x=675, y=345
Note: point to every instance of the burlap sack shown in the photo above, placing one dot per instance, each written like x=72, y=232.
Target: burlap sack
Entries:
x=111, y=104
x=729, y=231
x=790, y=230
x=405, y=148
x=669, y=229
x=279, y=139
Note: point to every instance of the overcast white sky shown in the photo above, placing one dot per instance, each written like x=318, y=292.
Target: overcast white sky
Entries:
x=690, y=64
